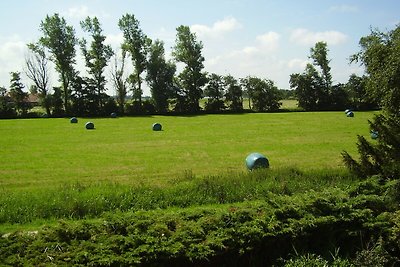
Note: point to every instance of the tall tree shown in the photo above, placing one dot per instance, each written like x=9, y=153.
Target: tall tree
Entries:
x=160, y=76
x=214, y=91
x=59, y=39
x=18, y=96
x=319, y=55
x=6, y=107
x=96, y=56
x=314, y=86
x=188, y=50
x=380, y=56
x=233, y=93
x=136, y=43
x=119, y=80
x=37, y=70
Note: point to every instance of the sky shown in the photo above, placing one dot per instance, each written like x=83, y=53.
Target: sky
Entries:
x=262, y=38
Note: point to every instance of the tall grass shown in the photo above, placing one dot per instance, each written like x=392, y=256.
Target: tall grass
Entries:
x=77, y=201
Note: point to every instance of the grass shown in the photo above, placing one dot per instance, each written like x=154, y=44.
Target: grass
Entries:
x=42, y=153
x=53, y=169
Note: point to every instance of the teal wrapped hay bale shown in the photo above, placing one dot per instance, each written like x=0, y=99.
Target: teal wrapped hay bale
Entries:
x=374, y=135
x=157, y=127
x=113, y=115
x=73, y=120
x=350, y=114
x=89, y=125
x=256, y=160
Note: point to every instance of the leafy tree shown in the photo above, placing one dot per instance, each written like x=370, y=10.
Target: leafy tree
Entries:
x=97, y=57
x=188, y=50
x=214, y=91
x=6, y=107
x=262, y=93
x=233, y=93
x=380, y=56
x=59, y=39
x=359, y=98
x=307, y=87
x=37, y=70
x=136, y=43
x=160, y=76
x=314, y=88
x=18, y=96
x=119, y=80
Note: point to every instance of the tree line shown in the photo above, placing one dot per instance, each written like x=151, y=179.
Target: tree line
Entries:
x=142, y=60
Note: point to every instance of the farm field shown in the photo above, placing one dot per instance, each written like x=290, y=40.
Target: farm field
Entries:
x=41, y=153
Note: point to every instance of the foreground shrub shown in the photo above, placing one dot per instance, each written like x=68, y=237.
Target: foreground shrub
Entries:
x=251, y=233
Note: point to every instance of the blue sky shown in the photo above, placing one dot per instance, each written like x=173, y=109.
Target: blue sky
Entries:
x=267, y=39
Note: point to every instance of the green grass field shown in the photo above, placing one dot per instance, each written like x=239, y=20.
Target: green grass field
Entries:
x=40, y=153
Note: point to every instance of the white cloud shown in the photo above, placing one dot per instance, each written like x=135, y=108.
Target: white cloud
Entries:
x=81, y=12
x=220, y=27
x=344, y=8
x=115, y=40
x=12, y=52
x=297, y=64
x=269, y=40
x=306, y=37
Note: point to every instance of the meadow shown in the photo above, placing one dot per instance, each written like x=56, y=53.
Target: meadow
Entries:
x=124, y=195
x=53, y=169
x=43, y=153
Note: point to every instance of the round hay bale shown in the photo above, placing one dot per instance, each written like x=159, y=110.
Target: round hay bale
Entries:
x=350, y=114
x=374, y=135
x=113, y=115
x=74, y=120
x=157, y=127
x=89, y=125
x=256, y=160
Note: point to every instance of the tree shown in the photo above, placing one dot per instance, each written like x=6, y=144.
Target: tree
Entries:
x=359, y=98
x=188, y=51
x=120, y=80
x=214, y=91
x=6, y=107
x=160, y=76
x=136, y=43
x=233, y=93
x=37, y=70
x=380, y=56
x=96, y=56
x=307, y=87
x=262, y=93
x=17, y=95
x=59, y=39
x=314, y=87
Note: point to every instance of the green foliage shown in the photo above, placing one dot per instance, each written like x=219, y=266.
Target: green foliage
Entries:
x=188, y=50
x=380, y=157
x=263, y=93
x=17, y=95
x=97, y=56
x=251, y=233
x=160, y=74
x=214, y=91
x=136, y=43
x=233, y=93
x=314, y=87
x=380, y=56
x=60, y=40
